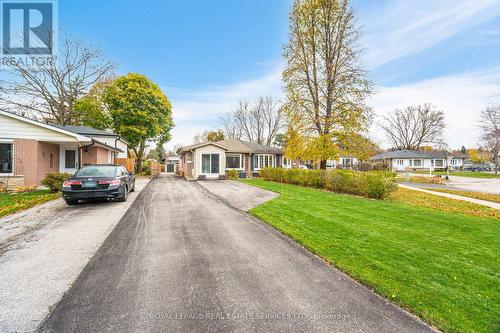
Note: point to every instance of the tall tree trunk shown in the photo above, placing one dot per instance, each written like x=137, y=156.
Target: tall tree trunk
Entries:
x=322, y=165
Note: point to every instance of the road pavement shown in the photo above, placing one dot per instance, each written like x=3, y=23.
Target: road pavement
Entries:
x=181, y=260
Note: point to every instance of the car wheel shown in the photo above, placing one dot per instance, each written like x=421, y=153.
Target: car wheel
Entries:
x=71, y=202
x=124, y=196
x=133, y=187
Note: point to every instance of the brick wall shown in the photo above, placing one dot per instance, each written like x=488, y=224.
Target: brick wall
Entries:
x=25, y=161
x=48, y=158
x=34, y=159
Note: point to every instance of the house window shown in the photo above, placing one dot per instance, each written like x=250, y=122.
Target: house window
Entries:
x=210, y=163
x=347, y=161
x=399, y=162
x=417, y=163
x=438, y=163
x=6, y=157
x=233, y=161
x=263, y=161
x=70, y=159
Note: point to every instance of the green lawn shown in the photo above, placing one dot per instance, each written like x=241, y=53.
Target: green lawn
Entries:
x=11, y=203
x=442, y=266
x=463, y=174
x=476, y=195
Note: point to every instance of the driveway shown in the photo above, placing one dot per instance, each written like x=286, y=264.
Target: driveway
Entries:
x=42, y=252
x=183, y=260
x=476, y=184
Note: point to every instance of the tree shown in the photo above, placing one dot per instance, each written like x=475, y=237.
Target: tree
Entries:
x=51, y=91
x=201, y=137
x=90, y=109
x=414, y=126
x=489, y=125
x=326, y=86
x=258, y=122
x=229, y=126
x=214, y=136
x=279, y=140
x=140, y=110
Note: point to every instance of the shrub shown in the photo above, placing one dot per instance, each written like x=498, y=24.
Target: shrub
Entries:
x=371, y=184
x=232, y=174
x=364, y=166
x=146, y=168
x=54, y=180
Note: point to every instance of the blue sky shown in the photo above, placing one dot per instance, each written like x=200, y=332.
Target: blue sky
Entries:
x=208, y=54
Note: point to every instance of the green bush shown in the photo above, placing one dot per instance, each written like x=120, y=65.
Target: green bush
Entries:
x=232, y=174
x=54, y=180
x=146, y=168
x=370, y=184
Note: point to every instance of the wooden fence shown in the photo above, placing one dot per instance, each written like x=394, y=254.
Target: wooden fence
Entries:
x=155, y=168
x=128, y=163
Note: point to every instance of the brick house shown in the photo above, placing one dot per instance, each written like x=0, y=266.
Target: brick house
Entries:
x=213, y=159
x=30, y=149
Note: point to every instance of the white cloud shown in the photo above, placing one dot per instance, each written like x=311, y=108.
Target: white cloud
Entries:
x=195, y=111
x=406, y=27
x=461, y=97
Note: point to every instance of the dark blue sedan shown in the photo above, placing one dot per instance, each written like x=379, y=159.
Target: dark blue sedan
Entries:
x=93, y=182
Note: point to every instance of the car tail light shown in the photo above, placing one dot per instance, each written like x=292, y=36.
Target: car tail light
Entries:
x=109, y=182
x=68, y=183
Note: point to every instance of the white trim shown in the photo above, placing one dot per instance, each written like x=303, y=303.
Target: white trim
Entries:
x=241, y=161
x=258, y=156
x=11, y=141
x=46, y=126
x=210, y=173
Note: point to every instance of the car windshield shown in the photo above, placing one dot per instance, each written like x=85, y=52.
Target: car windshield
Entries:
x=97, y=171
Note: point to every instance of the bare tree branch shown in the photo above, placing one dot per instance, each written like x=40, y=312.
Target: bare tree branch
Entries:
x=414, y=126
x=50, y=92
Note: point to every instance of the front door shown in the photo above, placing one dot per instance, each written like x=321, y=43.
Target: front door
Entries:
x=69, y=160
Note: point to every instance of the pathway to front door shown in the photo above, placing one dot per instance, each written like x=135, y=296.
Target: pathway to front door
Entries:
x=182, y=260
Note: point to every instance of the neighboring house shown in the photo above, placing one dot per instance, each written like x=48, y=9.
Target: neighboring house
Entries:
x=172, y=164
x=342, y=162
x=401, y=160
x=212, y=159
x=30, y=149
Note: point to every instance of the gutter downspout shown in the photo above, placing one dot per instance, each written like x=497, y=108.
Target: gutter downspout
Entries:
x=80, y=152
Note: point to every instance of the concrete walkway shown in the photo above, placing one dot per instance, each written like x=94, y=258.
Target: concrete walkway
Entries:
x=237, y=194
x=42, y=251
x=454, y=196
x=182, y=260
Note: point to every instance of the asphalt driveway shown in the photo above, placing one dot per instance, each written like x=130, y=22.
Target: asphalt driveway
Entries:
x=182, y=260
x=44, y=249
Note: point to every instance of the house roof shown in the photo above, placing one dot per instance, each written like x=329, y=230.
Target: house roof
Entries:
x=240, y=146
x=236, y=146
x=85, y=130
x=102, y=144
x=197, y=145
x=89, y=131
x=77, y=136
x=404, y=153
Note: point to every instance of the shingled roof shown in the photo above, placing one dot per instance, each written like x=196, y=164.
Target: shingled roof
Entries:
x=236, y=146
x=404, y=153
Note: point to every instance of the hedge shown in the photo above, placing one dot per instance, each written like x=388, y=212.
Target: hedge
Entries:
x=370, y=184
x=54, y=181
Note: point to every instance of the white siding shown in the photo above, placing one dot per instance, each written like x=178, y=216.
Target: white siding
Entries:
x=209, y=149
x=11, y=128
x=110, y=141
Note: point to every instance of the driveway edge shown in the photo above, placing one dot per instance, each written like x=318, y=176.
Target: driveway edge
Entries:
x=318, y=260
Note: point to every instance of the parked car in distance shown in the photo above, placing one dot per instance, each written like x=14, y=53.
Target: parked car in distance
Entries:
x=105, y=181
